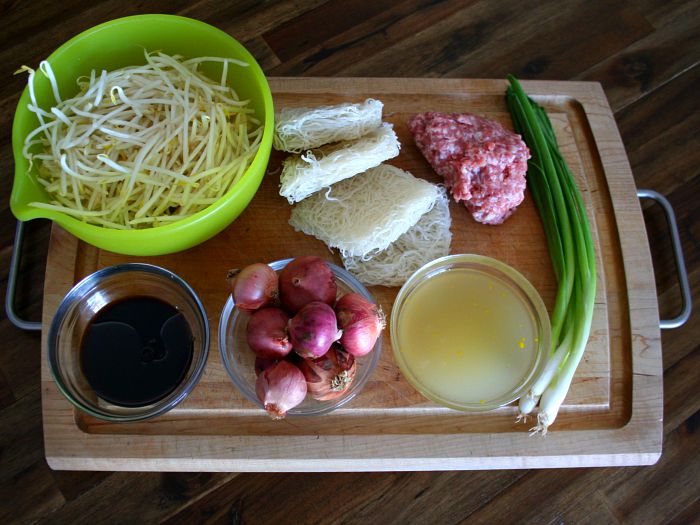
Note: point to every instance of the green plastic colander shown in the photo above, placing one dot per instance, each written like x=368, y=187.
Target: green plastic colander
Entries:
x=121, y=43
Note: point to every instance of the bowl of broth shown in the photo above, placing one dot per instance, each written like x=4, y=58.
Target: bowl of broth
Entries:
x=469, y=332
x=128, y=342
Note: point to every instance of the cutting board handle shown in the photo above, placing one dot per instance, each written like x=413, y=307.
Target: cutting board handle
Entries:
x=12, y=282
x=681, y=318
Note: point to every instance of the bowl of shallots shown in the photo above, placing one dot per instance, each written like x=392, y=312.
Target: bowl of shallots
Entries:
x=299, y=337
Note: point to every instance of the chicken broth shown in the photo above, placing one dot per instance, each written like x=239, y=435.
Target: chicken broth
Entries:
x=467, y=337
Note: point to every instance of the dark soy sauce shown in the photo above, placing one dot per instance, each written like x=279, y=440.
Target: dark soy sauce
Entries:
x=136, y=351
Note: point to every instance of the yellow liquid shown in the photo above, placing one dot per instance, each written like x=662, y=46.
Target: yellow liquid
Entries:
x=467, y=337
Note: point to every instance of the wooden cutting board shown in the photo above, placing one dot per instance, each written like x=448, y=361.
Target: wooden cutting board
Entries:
x=612, y=415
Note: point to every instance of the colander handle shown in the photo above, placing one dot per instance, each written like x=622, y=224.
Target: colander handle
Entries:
x=12, y=282
x=683, y=316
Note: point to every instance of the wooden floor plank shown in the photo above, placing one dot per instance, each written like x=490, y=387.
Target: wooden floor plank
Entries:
x=6, y=396
x=561, y=42
x=688, y=516
x=490, y=40
x=664, y=13
x=262, y=53
x=74, y=484
x=659, y=133
x=20, y=359
x=369, y=36
x=684, y=198
x=644, y=52
x=22, y=21
x=311, y=29
x=366, y=498
x=423, y=498
x=650, y=62
x=656, y=495
x=272, y=504
x=30, y=494
x=681, y=384
x=250, y=18
x=135, y=498
x=591, y=509
x=37, y=44
x=21, y=440
x=538, y=497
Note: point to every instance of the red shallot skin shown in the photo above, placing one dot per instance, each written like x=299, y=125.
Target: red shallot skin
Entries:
x=266, y=333
x=280, y=388
x=253, y=287
x=304, y=280
x=361, y=322
x=329, y=376
x=263, y=363
x=313, y=330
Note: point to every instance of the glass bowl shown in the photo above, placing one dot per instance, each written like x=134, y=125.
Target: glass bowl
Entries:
x=491, y=329
x=239, y=359
x=88, y=298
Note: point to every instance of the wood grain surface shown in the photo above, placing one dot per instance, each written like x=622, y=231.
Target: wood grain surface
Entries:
x=613, y=411
x=644, y=53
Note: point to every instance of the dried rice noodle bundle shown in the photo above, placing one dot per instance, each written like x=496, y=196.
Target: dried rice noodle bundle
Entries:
x=365, y=213
x=318, y=169
x=429, y=239
x=299, y=129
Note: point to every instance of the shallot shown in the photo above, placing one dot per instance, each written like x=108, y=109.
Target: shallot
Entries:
x=280, y=388
x=361, y=322
x=263, y=363
x=267, y=333
x=329, y=376
x=313, y=330
x=306, y=279
x=253, y=287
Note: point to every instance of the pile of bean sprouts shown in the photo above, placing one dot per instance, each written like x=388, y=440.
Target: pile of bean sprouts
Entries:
x=142, y=146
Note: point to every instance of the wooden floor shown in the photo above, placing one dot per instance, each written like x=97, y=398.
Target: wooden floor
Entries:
x=645, y=54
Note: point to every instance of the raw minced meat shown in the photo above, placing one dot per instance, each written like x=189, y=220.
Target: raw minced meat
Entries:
x=483, y=163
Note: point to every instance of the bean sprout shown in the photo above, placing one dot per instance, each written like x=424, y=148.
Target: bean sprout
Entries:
x=141, y=146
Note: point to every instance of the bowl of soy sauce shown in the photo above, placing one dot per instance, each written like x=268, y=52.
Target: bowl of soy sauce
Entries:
x=128, y=342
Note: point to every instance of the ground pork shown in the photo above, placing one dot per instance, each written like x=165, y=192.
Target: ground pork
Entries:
x=483, y=163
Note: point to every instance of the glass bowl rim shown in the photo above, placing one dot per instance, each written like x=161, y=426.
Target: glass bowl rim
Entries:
x=374, y=355
x=512, y=277
x=73, y=297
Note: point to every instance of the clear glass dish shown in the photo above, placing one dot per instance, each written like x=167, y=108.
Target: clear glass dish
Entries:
x=91, y=295
x=455, y=354
x=239, y=359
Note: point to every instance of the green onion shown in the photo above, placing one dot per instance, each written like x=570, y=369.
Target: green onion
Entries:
x=570, y=245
